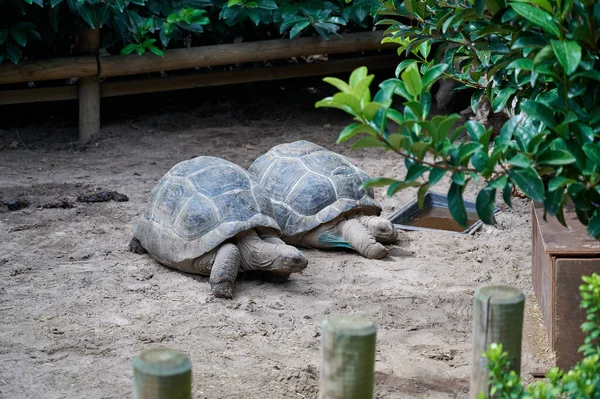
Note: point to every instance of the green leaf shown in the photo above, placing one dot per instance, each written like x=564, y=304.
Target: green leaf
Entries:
x=130, y=48
x=366, y=142
x=456, y=204
x=508, y=129
x=19, y=37
x=556, y=157
x=433, y=74
x=395, y=115
x=506, y=193
x=412, y=80
x=475, y=129
x=525, y=64
x=539, y=111
x=529, y=181
x=88, y=15
x=592, y=150
x=299, y=27
x=484, y=204
x=13, y=52
x=400, y=185
x=559, y=182
x=354, y=129
x=520, y=160
x=157, y=51
x=415, y=171
x=402, y=66
x=420, y=148
x=421, y=195
x=480, y=6
x=459, y=178
x=499, y=101
x=594, y=226
x=378, y=182
x=480, y=160
x=348, y=100
x=544, y=4
x=357, y=75
x=435, y=175
x=568, y=54
x=538, y=17
x=466, y=150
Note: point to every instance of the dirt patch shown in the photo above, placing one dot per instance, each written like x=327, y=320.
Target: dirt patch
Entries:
x=76, y=305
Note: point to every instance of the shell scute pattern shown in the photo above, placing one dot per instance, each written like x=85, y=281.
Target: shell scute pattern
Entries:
x=310, y=185
x=199, y=204
x=282, y=174
x=312, y=193
x=216, y=180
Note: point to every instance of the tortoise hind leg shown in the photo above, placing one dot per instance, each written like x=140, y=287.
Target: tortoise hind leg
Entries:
x=224, y=270
x=136, y=246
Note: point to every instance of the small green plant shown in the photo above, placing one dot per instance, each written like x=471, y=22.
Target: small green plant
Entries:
x=581, y=381
x=538, y=58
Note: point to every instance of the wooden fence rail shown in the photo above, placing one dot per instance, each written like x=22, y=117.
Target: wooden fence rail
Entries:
x=89, y=68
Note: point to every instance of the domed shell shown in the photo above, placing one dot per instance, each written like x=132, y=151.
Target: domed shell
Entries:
x=199, y=204
x=310, y=185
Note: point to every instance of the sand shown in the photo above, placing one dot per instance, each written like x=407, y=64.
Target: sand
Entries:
x=76, y=306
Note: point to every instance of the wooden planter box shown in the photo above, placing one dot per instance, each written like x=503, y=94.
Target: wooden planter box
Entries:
x=561, y=256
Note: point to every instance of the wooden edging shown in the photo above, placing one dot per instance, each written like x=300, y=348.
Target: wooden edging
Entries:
x=203, y=56
x=197, y=80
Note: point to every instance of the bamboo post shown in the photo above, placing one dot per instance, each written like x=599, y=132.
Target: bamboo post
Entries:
x=497, y=317
x=89, y=89
x=348, y=358
x=162, y=373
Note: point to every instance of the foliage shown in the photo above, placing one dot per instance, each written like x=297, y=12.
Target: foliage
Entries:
x=39, y=27
x=581, y=381
x=539, y=59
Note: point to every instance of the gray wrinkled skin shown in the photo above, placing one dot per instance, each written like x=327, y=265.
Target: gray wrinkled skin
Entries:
x=196, y=206
x=310, y=185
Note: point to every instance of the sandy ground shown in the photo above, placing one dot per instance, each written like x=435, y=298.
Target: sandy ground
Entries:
x=76, y=306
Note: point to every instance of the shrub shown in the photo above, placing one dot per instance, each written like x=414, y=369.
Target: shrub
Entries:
x=539, y=59
x=38, y=28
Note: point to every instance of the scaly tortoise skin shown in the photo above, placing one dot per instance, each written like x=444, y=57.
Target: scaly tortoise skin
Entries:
x=312, y=189
x=199, y=205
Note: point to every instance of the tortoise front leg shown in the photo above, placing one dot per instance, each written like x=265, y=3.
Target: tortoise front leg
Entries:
x=381, y=228
x=224, y=271
x=135, y=246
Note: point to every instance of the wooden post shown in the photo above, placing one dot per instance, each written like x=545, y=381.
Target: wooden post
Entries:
x=162, y=373
x=89, y=89
x=497, y=317
x=348, y=358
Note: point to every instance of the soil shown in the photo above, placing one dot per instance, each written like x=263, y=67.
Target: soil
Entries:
x=76, y=306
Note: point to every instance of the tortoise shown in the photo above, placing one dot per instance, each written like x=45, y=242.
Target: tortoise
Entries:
x=209, y=216
x=319, y=201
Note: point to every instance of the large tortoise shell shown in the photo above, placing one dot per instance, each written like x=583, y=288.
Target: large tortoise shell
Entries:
x=199, y=204
x=310, y=185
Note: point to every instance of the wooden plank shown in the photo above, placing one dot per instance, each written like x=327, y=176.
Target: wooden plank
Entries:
x=237, y=53
x=561, y=241
x=543, y=276
x=197, y=80
x=569, y=316
x=39, y=95
x=192, y=81
x=49, y=69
